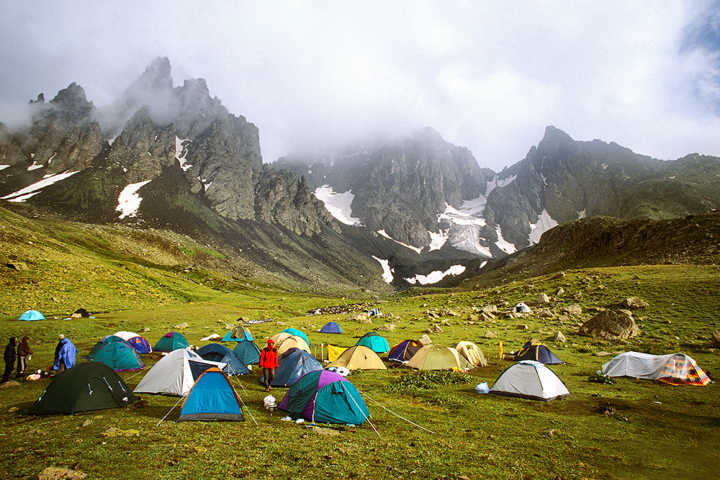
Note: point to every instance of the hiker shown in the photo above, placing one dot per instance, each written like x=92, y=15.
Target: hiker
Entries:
x=65, y=353
x=268, y=363
x=23, y=355
x=9, y=359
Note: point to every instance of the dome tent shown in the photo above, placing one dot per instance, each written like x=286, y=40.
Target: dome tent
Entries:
x=211, y=398
x=359, y=357
x=297, y=333
x=87, y=386
x=294, y=364
x=247, y=352
x=538, y=352
x=325, y=397
x=175, y=373
x=674, y=368
x=171, y=341
x=119, y=356
x=139, y=343
x=521, y=308
x=284, y=341
x=105, y=341
x=472, y=353
x=530, y=379
x=374, y=341
x=220, y=353
x=436, y=357
x=404, y=350
x=331, y=327
x=238, y=334
x=31, y=315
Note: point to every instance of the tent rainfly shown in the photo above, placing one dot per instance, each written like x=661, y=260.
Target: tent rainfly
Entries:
x=331, y=327
x=530, y=379
x=359, y=357
x=31, y=315
x=211, y=398
x=171, y=341
x=436, y=357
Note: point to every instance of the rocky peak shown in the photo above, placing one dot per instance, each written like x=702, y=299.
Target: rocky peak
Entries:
x=553, y=139
x=73, y=100
x=156, y=77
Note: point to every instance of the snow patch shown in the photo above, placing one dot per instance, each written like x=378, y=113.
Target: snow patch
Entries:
x=129, y=201
x=387, y=271
x=544, y=223
x=498, y=182
x=3, y=167
x=384, y=234
x=34, y=166
x=503, y=244
x=112, y=139
x=52, y=157
x=181, y=152
x=463, y=225
x=482, y=265
x=32, y=190
x=435, y=276
x=437, y=240
x=582, y=213
x=338, y=204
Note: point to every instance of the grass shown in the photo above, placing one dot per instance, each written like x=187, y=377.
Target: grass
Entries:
x=656, y=431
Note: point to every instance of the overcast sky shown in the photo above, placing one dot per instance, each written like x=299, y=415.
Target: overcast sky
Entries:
x=486, y=75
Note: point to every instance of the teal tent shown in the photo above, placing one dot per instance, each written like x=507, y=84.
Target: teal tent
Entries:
x=32, y=315
x=104, y=341
x=237, y=334
x=247, y=352
x=374, y=342
x=298, y=333
x=171, y=341
x=211, y=398
x=120, y=356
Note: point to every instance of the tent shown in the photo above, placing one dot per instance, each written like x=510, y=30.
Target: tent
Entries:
x=436, y=357
x=87, y=386
x=471, y=353
x=404, y=350
x=171, y=341
x=175, y=373
x=238, y=334
x=119, y=356
x=140, y=344
x=674, y=368
x=211, y=398
x=325, y=397
x=31, y=315
x=294, y=364
x=538, y=352
x=104, y=341
x=284, y=341
x=530, y=379
x=374, y=341
x=220, y=353
x=82, y=312
x=247, y=352
x=334, y=352
x=331, y=327
x=297, y=333
x=521, y=308
x=359, y=357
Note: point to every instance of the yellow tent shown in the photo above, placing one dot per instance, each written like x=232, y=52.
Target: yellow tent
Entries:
x=334, y=352
x=284, y=342
x=471, y=353
x=435, y=357
x=359, y=357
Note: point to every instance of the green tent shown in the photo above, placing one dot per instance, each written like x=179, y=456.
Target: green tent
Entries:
x=374, y=342
x=86, y=386
x=119, y=356
x=171, y=341
x=247, y=352
x=105, y=340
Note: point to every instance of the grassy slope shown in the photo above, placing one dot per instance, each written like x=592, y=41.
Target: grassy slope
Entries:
x=476, y=436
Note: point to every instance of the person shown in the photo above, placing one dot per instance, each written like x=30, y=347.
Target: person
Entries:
x=65, y=353
x=9, y=359
x=268, y=363
x=23, y=355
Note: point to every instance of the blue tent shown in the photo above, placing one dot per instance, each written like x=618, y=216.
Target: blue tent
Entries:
x=32, y=315
x=294, y=364
x=230, y=336
x=247, y=352
x=298, y=333
x=374, y=342
x=220, y=353
x=331, y=327
x=211, y=398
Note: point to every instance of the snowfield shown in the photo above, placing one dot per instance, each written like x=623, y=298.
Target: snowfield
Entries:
x=544, y=223
x=387, y=274
x=384, y=234
x=129, y=201
x=338, y=204
x=435, y=276
x=503, y=244
x=32, y=190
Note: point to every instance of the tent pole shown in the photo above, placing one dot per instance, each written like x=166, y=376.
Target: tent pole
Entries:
x=397, y=415
x=168, y=413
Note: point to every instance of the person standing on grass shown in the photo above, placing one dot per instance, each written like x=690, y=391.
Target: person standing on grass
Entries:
x=268, y=363
x=23, y=355
x=9, y=358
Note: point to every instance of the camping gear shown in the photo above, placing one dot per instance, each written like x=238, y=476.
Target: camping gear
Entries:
x=247, y=352
x=674, y=368
x=472, y=353
x=31, y=315
x=140, y=344
x=175, y=373
x=211, y=398
x=521, y=308
x=436, y=357
x=374, y=341
x=482, y=388
x=220, y=353
x=404, y=351
x=270, y=403
x=293, y=364
x=82, y=312
x=119, y=356
x=297, y=333
x=334, y=352
x=374, y=312
x=284, y=341
x=171, y=341
x=359, y=357
x=530, y=379
x=325, y=397
x=331, y=327
x=87, y=386
x=538, y=352
x=238, y=334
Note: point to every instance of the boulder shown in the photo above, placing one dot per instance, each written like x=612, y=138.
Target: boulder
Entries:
x=610, y=324
x=560, y=292
x=573, y=309
x=360, y=317
x=634, y=303
x=543, y=298
x=559, y=338
x=425, y=340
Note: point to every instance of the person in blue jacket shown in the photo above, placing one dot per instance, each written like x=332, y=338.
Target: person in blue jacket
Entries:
x=65, y=353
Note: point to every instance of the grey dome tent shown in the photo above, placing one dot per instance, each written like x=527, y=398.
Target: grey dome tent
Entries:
x=530, y=379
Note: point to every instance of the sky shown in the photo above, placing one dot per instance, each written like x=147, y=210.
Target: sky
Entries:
x=314, y=75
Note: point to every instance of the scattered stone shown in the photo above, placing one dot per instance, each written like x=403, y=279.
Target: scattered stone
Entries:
x=490, y=334
x=388, y=328
x=58, y=473
x=610, y=325
x=489, y=309
x=523, y=327
x=180, y=326
x=578, y=296
x=436, y=328
x=543, y=298
x=559, y=275
x=560, y=292
x=445, y=323
x=634, y=303
x=326, y=431
x=602, y=354
x=487, y=316
x=13, y=409
x=145, y=329
x=361, y=317
x=573, y=309
x=550, y=433
x=559, y=337
x=75, y=315
x=17, y=266
x=425, y=340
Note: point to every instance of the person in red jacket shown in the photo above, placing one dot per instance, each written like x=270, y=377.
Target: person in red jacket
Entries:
x=268, y=363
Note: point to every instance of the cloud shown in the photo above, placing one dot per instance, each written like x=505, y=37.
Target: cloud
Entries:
x=488, y=76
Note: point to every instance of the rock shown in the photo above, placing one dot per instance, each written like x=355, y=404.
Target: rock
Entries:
x=436, y=328
x=611, y=325
x=578, y=296
x=573, y=309
x=361, y=317
x=716, y=338
x=523, y=327
x=601, y=354
x=425, y=340
x=214, y=336
x=487, y=316
x=560, y=292
x=180, y=326
x=559, y=275
x=145, y=329
x=550, y=433
x=490, y=334
x=87, y=423
x=116, y=432
x=489, y=309
x=543, y=298
x=559, y=337
x=13, y=409
x=445, y=323
x=18, y=266
x=388, y=327
x=634, y=303
x=59, y=473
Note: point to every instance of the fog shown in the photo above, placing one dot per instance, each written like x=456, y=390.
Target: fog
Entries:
x=314, y=75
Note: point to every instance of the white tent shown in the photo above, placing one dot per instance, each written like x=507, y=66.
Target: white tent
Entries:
x=126, y=335
x=530, y=379
x=521, y=308
x=175, y=373
x=647, y=366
